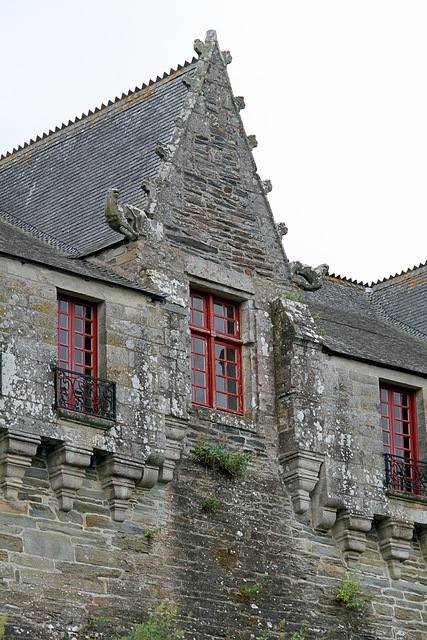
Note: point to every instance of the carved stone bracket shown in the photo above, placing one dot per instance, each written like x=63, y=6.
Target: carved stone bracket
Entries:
x=350, y=532
x=67, y=466
x=300, y=476
x=175, y=431
x=16, y=452
x=151, y=471
x=395, y=543
x=118, y=476
x=324, y=503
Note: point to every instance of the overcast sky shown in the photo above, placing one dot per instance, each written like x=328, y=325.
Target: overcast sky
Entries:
x=335, y=92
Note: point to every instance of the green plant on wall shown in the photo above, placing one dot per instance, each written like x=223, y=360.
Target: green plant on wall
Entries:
x=247, y=591
x=351, y=593
x=216, y=456
x=150, y=533
x=211, y=503
x=160, y=625
x=3, y=620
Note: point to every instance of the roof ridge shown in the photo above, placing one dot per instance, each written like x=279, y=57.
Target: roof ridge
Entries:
x=90, y=113
x=345, y=280
x=40, y=235
x=402, y=273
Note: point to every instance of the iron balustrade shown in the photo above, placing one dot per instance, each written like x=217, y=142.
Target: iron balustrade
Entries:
x=85, y=394
x=405, y=474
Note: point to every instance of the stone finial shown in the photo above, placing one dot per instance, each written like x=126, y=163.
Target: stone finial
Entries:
x=239, y=101
x=306, y=277
x=175, y=431
x=252, y=141
x=124, y=219
x=162, y=150
x=67, y=465
x=267, y=186
x=199, y=47
x=227, y=57
x=300, y=476
x=395, y=543
x=118, y=476
x=350, y=532
x=282, y=229
x=17, y=449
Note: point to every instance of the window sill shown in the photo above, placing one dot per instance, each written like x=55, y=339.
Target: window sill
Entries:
x=405, y=497
x=223, y=417
x=84, y=418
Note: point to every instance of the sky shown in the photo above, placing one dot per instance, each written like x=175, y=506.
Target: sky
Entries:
x=335, y=93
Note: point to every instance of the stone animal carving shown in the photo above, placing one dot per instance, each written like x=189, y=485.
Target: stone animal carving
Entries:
x=282, y=229
x=306, y=277
x=124, y=219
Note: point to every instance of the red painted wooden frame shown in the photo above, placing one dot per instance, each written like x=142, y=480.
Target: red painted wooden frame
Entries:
x=77, y=336
x=399, y=422
x=216, y=352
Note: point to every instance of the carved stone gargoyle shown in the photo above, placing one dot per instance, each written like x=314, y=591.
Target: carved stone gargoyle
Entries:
x=306, y=277
x=124, y=219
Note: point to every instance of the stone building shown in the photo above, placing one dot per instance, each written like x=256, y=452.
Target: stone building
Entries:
x=131, y=334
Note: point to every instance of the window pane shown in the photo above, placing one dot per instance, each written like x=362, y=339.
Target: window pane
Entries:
x=200, y=379
x=78, y=369
x=231, y=371
x=407, y=443
x=220, y=367
x=220, y=383
x=88, y=359
x=200, y=394
x=386, y=438
x=200, y=362
x=397, y=412
x=88, y=327
x=88, y=313
x=385, y=424
x=78, y=341
x=79, y=310
x=398, y=426
x=384, y=409
x=231, y=328
x=198, y=302
x=198, y=318
x=232, y=403
x=218, y=309
x=406, y=428
x=221, y=400
x=231, y=354
x=63, y=306
x=405, y=414
x=63, y=321
x=396, y=398
x=232, y=386
x=78, y=356
x=88, y=342
x=63, y=353
x=78, y=325
x=384, y=395
x=405, y=400
x=219, y=351
x=229, y=311
x=399, y=441
x=199, y=345
x=63, y=337
x=219, y=324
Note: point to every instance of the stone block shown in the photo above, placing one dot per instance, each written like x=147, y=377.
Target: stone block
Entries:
x=48, y=545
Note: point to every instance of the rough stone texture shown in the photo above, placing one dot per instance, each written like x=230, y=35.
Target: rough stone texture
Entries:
x=313, y=501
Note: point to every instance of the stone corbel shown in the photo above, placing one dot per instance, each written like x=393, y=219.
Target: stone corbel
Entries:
x=324, y=503
x=350, y=532
x=118, y=476
x=67, y=465
x=16, y=452
x=300, y=476
x=150, y=475
x=395, y=543
x=175, y=432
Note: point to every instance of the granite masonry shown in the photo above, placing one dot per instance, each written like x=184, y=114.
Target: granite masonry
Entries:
x=132, y=333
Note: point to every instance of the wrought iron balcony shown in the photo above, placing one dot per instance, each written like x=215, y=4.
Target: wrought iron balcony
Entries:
x=405, y=474
x=85, y=394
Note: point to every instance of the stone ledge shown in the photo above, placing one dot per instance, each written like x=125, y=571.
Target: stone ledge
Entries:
x=84, y=418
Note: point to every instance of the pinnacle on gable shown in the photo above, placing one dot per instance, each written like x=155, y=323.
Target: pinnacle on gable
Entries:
x=227, y=57
x=239, y=101
x=252, y=141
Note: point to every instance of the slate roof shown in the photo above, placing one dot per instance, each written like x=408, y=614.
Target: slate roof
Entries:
x=30, y=246
x=354, y=328
x=404, y=298
x=59, y=182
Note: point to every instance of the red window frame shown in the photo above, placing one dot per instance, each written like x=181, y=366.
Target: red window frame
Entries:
x=77, y=336
x=216, y=352
x=399, y=422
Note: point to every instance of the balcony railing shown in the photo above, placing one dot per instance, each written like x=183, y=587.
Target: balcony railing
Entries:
x=405, y=474
x=85, y=394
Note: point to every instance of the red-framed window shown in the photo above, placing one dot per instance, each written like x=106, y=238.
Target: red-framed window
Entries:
x=399, y=424
x=216, y=353
x=77, y=336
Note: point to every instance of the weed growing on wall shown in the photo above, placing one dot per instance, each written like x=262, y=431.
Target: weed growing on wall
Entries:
x=210, y=503
x=3, y=620
x=218, y=457
x=350, y=592
x=248, y=591
x=160, y=625
x=150, y=533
